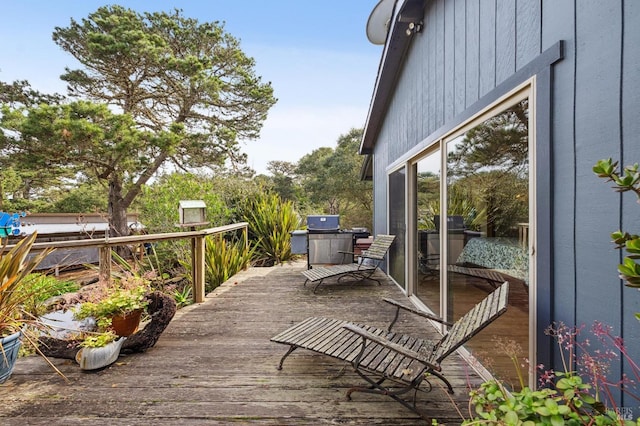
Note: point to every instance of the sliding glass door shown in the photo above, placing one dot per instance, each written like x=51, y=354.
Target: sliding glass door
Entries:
x=488, y=208
x=471, y=211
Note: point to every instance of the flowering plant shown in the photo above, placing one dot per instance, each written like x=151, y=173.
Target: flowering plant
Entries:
x=565, y=397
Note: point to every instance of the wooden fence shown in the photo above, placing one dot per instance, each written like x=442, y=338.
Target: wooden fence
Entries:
x=197, y=238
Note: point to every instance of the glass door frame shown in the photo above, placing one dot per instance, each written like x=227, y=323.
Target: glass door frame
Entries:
x=406, y=237
x=523, y=91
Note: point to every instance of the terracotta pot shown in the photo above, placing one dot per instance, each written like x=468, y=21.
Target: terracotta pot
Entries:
x=9, y=347
x=126, y=325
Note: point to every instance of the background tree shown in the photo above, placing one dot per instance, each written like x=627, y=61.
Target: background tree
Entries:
x=18, y=177
x=83, y=196
x=20, y=92
x=283, y=181
x=331, y=180
x=106, y=147
x=316, y=181
x=188, y=84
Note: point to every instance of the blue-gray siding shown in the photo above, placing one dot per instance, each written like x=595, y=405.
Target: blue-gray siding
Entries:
x=466, y=49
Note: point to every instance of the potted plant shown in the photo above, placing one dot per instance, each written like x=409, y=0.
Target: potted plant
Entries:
x=98, y=350
x=120, y=311
x=15, y=265
x=117, y=315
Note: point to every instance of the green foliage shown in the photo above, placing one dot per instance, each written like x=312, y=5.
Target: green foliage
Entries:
x=271, y=222
x=20, y=93
x=565, y=397
x=117, y=302
x=460, y=203
x=223, y=259
x=627, y=180
x=39, y=287
x=501, y=142
x=186, y=91
x=79, y=136
x=82, y=198
x=183, y=296
x=15, y=267
x=158, y=208
x=283, y=181
x=330, y=178
x=569, y=403
x=98, y=340
x=158, y=204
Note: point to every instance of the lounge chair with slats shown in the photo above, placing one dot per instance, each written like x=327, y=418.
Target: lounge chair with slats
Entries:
x=382, y=356
x=364, y=269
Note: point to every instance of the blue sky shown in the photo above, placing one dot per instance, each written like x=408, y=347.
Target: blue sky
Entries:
x=315, y=54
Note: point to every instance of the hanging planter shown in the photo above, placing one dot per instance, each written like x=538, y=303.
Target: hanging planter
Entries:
x=9, y=347
x=95, y=358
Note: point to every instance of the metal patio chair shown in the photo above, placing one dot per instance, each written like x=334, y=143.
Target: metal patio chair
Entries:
x=380, y=356
x=368, y=263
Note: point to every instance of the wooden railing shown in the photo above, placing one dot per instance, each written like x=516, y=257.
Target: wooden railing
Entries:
x=197, y=238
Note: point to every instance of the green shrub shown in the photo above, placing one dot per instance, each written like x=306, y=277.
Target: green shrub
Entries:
x=271, y=222
x=158, y=204
x=223, y=259
x=37, y=288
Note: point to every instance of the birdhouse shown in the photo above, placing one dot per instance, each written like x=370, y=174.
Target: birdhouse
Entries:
x=192, y=212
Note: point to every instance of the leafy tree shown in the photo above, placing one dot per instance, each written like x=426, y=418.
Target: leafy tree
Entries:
x=283, y=180
x=186, y=90
x=18, y=177
x=107, y=146
x=82, y=197
x=490, y=165
x=314, y=178
x=158, y=204
x=331, y=179
x=20, y=92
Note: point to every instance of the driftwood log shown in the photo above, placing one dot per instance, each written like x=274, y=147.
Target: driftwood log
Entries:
x=161, y=309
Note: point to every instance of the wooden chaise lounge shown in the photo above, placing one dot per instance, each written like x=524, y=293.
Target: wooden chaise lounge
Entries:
x=381, y=356
x=369, y=262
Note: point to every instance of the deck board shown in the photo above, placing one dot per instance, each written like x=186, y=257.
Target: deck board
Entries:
x=214, y=364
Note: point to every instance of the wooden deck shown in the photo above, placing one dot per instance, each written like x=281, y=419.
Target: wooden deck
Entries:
x=215, y=365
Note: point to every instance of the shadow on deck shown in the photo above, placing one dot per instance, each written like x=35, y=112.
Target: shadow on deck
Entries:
x=215, y=365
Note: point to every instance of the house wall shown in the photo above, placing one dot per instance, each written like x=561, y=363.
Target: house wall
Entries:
x=466, y=49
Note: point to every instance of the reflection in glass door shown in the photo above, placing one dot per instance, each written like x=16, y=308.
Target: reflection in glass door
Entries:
x=487, y=208
x=428, y=237
x=397, y=225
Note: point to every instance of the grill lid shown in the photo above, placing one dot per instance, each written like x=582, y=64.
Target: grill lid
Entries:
x=323, y=222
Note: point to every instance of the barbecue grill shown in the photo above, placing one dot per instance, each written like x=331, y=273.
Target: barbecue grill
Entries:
x=325, y=240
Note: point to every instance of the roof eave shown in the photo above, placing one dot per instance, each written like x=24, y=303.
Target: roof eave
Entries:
x=395, y=49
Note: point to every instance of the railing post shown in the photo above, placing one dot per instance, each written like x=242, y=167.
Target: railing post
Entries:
x=245, y=231
x=104, y=259
x=198, y=263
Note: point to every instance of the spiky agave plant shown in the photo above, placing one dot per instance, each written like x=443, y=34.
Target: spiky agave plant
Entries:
x=15, y=265
x=223, y=259
x=271, y=221
x=16, y=293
